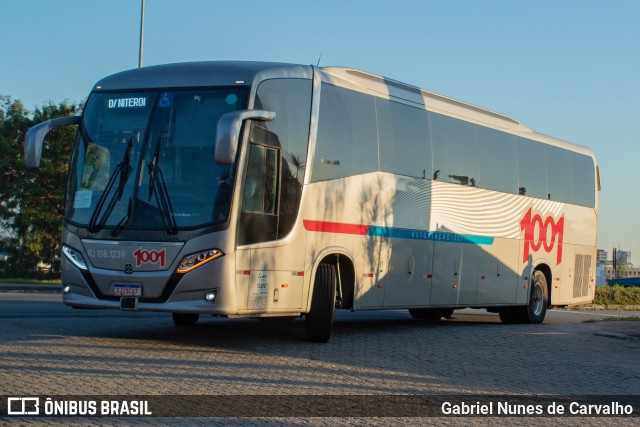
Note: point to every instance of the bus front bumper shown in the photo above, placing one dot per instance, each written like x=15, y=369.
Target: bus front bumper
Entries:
x=187, y=294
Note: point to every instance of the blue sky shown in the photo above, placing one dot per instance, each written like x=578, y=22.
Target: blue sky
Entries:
x=567, y=68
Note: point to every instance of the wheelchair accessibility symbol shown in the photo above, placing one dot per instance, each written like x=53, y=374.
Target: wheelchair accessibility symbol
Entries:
x=166, y=100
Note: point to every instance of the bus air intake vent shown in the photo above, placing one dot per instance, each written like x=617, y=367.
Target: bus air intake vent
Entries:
x=581, y=276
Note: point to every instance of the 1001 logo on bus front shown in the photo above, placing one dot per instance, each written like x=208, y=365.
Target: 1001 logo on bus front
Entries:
x=539, y=233
x=144, y=256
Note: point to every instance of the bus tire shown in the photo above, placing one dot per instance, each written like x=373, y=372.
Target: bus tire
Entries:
x=185, y=319
x=319, y=320
x=536, y=309
x=538, y=298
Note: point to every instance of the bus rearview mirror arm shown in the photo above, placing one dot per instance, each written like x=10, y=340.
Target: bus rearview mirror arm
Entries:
x=35, y=136
x=228, y=132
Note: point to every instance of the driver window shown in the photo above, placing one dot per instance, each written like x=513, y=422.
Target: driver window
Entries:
x=260, y=188
x=260, y=194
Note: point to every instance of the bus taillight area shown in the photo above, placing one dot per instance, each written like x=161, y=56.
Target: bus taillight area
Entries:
x=200, y=282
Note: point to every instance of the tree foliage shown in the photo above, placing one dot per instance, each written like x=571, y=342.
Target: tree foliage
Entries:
x=32, y=202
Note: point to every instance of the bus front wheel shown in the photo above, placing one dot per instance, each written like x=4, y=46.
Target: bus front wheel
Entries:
x=319, y=320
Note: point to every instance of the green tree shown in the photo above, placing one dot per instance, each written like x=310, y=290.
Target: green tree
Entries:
x=32, y=202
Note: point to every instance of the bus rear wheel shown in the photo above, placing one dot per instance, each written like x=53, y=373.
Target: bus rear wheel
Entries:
x=538, y=298
x=319, y=320
x=185, y=319
x=536, y=309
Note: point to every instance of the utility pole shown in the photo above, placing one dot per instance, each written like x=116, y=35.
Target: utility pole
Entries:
x=141, y=35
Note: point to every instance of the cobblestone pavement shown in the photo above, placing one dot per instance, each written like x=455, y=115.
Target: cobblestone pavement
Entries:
x=49, y=349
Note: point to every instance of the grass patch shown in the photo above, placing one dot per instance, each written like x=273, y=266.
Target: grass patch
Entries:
x=614, y=319
x=624, y=318
x=617, y=295
x=31, y=281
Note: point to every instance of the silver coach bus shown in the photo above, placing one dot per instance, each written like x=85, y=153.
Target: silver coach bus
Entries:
x=250, y=189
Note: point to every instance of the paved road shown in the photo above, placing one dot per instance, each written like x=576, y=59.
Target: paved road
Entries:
x=47, y=348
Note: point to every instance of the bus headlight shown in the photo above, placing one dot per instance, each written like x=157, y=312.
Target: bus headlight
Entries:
x=193, y=261
x=75, y=257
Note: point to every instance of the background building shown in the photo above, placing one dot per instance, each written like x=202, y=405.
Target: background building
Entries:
x=601, y=256
x=623, y=271
x=623, y=256
x=605, y=269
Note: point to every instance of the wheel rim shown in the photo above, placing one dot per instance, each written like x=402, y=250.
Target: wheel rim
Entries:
x=537, y=300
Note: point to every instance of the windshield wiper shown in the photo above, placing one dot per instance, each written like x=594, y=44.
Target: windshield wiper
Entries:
x=156, y=179
x=123, y=170
x=118, y=228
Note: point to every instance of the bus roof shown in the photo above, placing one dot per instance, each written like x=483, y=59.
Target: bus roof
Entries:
x=190, y=74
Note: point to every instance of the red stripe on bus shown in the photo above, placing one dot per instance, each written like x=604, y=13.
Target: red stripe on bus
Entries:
x=335, y=227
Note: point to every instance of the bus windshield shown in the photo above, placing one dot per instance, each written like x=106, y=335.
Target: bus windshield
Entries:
x=145, y=160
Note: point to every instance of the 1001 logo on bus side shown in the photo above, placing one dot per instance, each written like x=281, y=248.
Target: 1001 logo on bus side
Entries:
x=548, y=232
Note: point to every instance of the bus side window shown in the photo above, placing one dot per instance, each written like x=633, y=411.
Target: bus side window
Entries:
x=259, y=209
x=405, y=142
x=455, y=150
x=584, y=179
x=261, y=183
x=347, y=140
x=532, y=169
x=560, y=171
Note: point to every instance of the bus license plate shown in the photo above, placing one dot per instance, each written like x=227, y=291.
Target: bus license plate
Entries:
x=127, y=290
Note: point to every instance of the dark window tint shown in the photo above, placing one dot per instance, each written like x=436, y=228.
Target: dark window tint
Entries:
x=532, y=168
x=405, y=146
x=560, y=174
x=455, y=150
x=260, y=190
x=584, y=180
x=498, y=158
x=291, y=100
x=347, y=142
x=258, y=219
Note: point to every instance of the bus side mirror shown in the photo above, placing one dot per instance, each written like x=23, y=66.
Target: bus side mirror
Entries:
x=228, y=132
x=35, y=138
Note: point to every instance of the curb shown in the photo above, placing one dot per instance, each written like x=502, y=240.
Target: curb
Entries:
x=602, y=307
x=14, y=287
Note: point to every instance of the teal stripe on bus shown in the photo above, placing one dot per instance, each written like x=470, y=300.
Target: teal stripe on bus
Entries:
x=438, y=236
x=396, y=233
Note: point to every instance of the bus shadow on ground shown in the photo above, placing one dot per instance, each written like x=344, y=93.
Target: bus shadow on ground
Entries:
x=244, y=334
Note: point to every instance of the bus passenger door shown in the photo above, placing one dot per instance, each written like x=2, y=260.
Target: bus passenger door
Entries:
x=275, y=280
